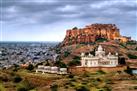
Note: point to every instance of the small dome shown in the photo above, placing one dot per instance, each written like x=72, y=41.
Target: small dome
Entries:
x=100, y=48
x=82, y=54
x=109, y=53
x=116, y=54
x=90, y=55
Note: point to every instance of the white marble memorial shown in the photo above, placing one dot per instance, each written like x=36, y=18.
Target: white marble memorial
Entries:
x=100, y=59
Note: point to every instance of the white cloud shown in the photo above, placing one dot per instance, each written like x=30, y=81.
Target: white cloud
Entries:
x=67, y=8
x=12, y=9
x=39, y=1
x=34, y=13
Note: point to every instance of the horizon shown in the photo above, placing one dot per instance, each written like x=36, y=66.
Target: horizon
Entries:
x=48, y=20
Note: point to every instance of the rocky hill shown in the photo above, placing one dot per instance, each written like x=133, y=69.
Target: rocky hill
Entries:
x=87, y=39
x=92, y=33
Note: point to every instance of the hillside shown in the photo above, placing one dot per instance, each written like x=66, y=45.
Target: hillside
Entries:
x=87, y=39
x=123, y=49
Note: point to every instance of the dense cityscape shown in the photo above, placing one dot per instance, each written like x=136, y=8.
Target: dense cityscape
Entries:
x=19, y=53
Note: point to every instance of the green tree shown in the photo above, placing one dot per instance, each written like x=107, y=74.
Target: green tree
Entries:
x=131, y=56
x=61, y=64
x=17, y=79
x=15, y=67
x=30, y=67
x=101, y=39
x=75, y=61
x=66, y=53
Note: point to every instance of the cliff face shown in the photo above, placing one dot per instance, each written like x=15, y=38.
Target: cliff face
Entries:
x=91, y=33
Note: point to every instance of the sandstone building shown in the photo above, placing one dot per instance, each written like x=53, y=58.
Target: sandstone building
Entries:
x=93, y=32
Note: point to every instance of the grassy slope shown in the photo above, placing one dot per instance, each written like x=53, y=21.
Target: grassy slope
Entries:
x=2, y=88
x=94, y=82
x=108, y=46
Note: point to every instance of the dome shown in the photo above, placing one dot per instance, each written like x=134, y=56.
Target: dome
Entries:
x=90, y=55
x=116, y=54
x=82, y=54
x=100, y=48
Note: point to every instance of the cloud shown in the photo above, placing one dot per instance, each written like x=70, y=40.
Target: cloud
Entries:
x=46, y=12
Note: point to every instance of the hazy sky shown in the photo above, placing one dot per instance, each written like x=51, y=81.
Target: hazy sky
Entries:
x=48, y=20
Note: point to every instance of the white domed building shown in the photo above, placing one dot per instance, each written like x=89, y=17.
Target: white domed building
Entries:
x=100, y=59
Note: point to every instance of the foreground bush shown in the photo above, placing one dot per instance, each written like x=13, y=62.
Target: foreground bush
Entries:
x=17, y=79
x=30, y=67
x=54, y=87
x=22, y=89
x=82, y=88
x=101, y=72
x=24, y=86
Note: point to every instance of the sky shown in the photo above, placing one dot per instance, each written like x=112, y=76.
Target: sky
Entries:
x=48, y=20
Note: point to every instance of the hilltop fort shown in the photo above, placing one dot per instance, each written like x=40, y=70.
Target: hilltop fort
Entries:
x=93, y=32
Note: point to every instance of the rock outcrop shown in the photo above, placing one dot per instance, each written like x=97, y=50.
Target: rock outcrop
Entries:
x=91, y=33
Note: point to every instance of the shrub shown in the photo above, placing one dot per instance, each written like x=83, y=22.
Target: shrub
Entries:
x=101, y=39
x=22, y=89
x=74, y=63
x=82, y=88
x=106, y=88
x=24, y=86
x=131, y=56
x=95, y=82
x=47, y=63
x=5, y=79
x=128, y=70
x=61, y=64
x=17, y=79
x=71, y=76
x=136, y=48
x=123, y=45
x=101, y=72
x=108, y=81
x=15, y=67
x=131, y=43
x=122, y=60
x=76, y=58
x=54, y=87
x=66, y=54
x=86, y=74
x=135, y=87
x=30, y=67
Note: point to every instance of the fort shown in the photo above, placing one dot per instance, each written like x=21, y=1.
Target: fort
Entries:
x=93, y=32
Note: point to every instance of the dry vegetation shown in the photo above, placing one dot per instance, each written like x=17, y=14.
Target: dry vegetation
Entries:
x=98, y=81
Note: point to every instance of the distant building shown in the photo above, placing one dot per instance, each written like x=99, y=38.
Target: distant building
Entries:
x=100, y=59
x=50, y=69
x=122, y=39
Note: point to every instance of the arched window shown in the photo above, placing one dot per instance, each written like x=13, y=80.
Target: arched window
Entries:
x=86, y=62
